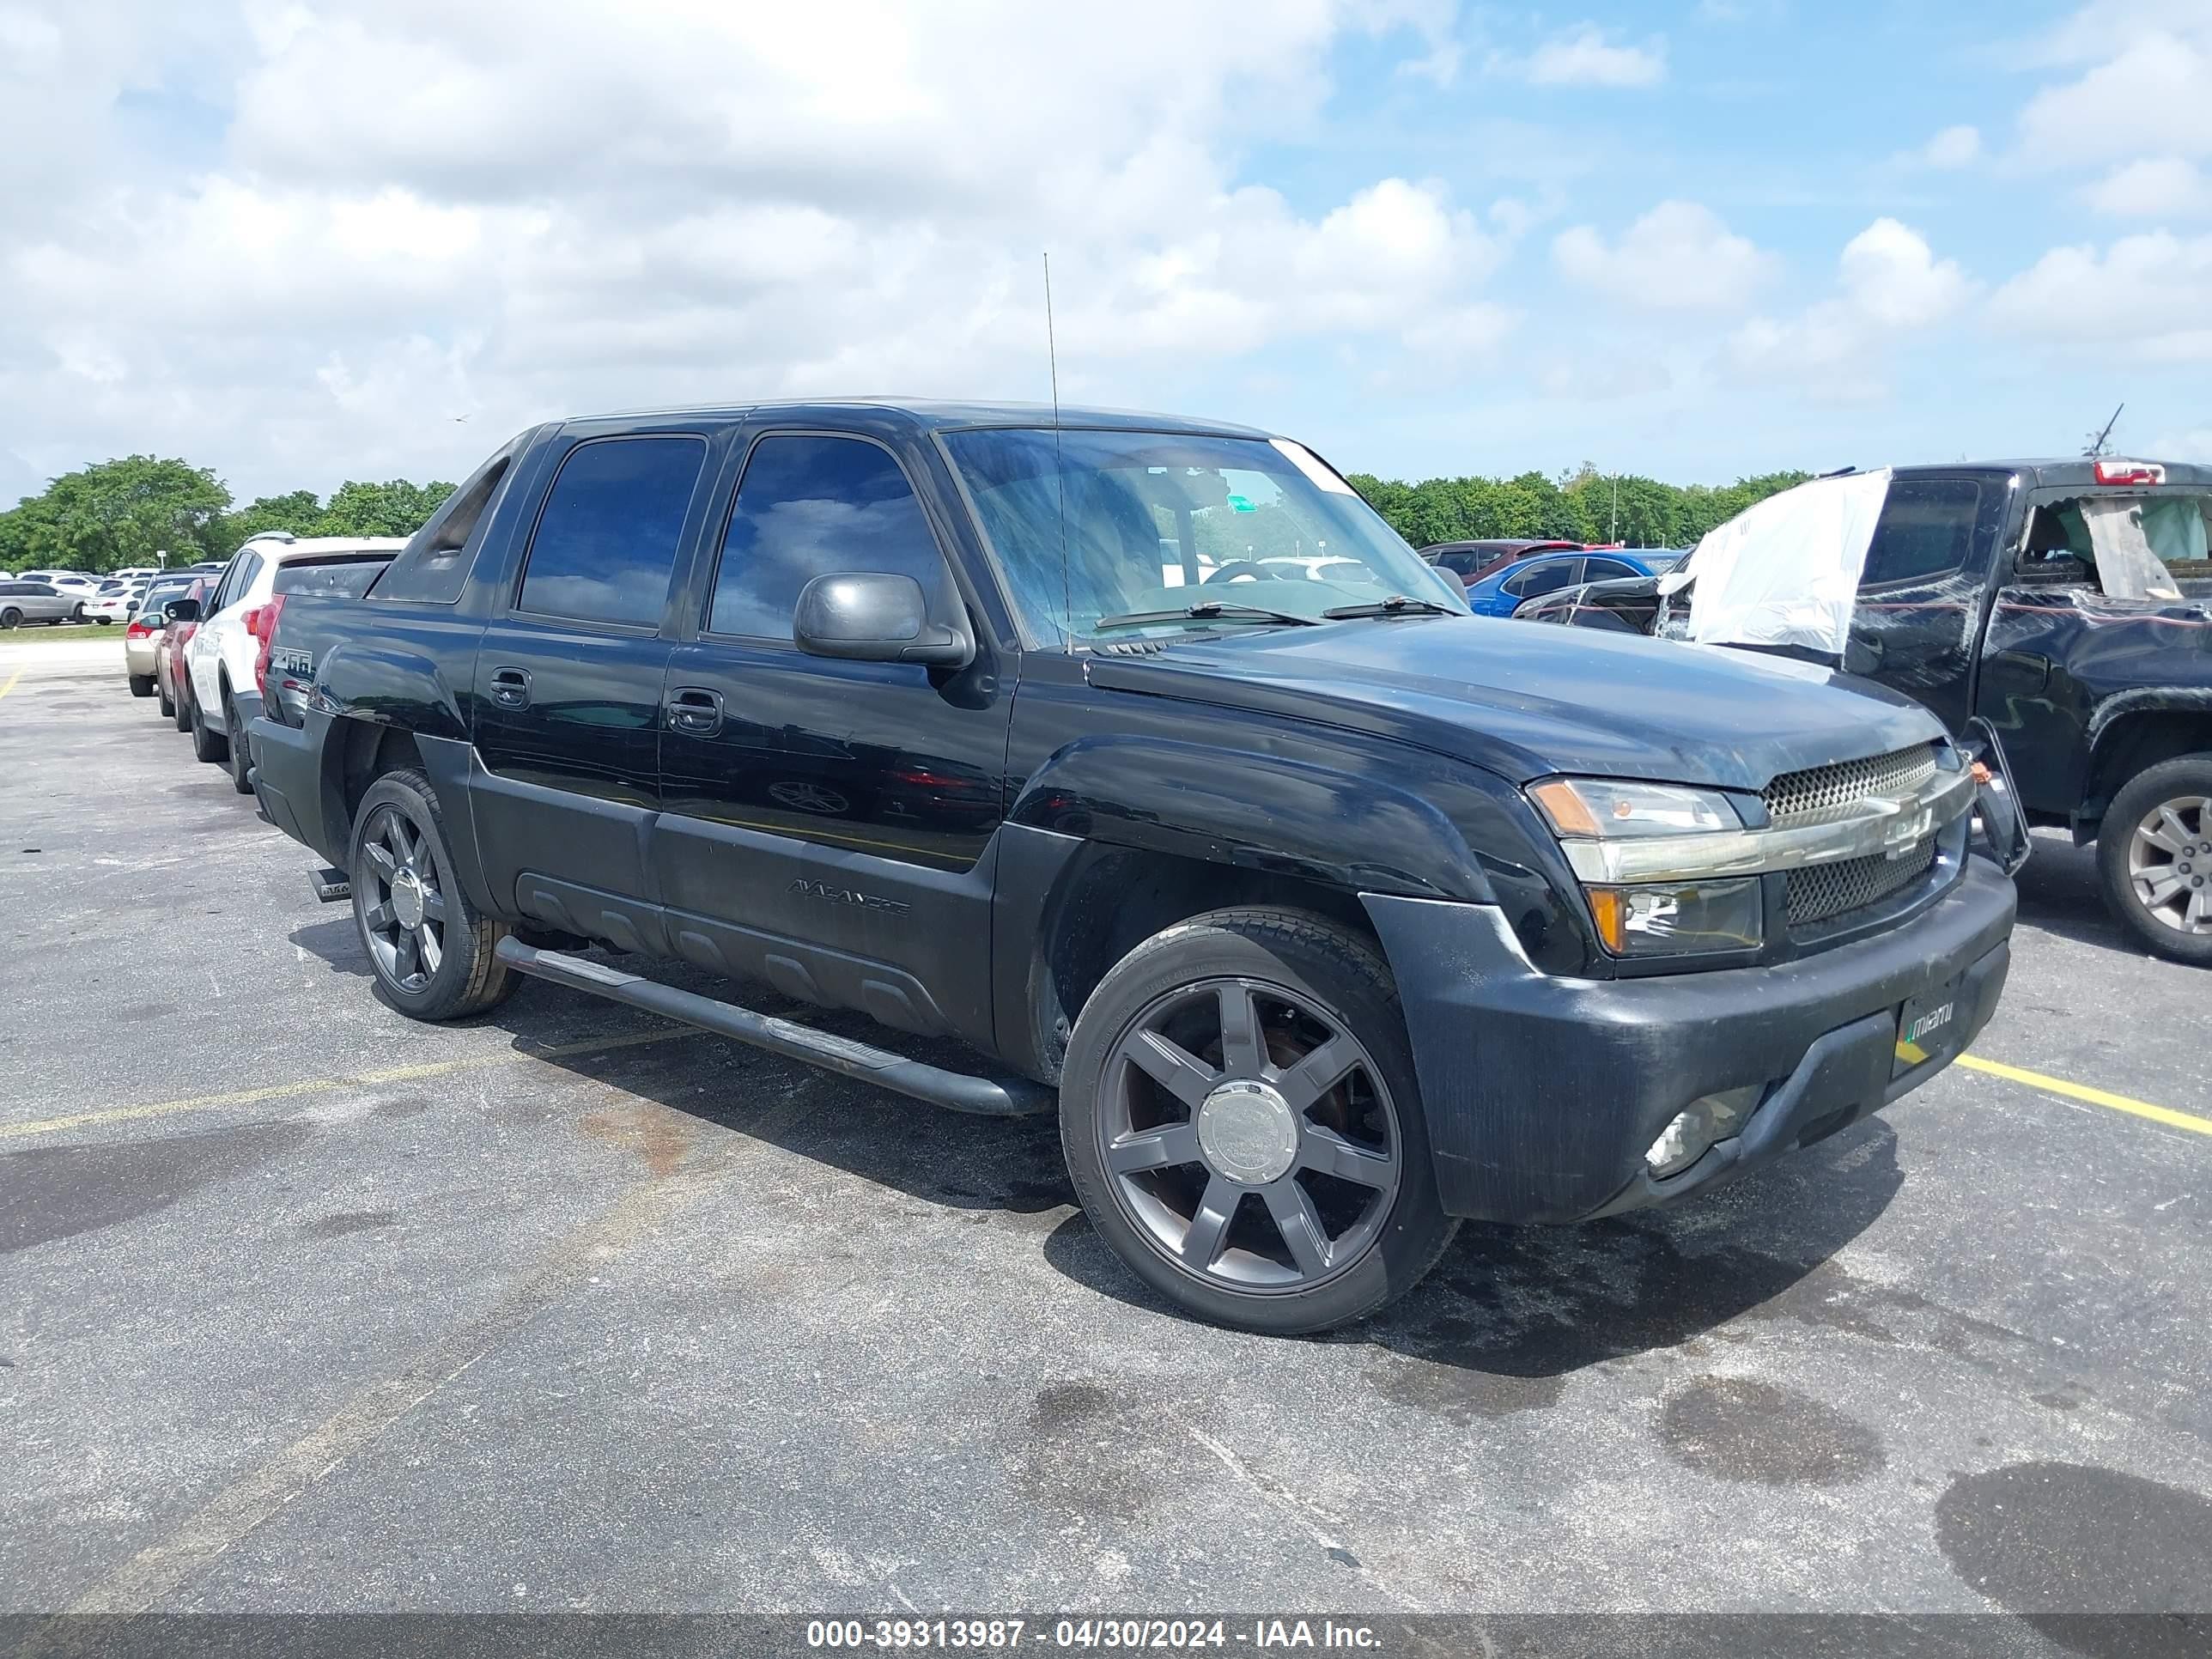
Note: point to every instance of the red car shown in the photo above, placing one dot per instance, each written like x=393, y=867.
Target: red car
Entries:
x=1472, y=560
x=173, y=687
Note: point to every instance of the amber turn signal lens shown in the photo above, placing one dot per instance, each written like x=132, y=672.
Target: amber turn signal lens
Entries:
x=1565, y=807
x=1609, y=909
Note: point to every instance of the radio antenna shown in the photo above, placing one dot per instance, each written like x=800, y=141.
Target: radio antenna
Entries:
x=1060, y=466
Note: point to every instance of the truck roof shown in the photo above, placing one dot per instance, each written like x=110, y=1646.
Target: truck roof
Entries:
x=2069, y=472
x=928, y=413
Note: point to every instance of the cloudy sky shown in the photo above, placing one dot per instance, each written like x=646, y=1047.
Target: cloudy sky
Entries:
x=303, y=241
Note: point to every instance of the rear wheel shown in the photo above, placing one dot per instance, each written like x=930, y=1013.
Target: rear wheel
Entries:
x=1242, y=1122
x=241, y=756
x=432, y=952
x=141, y=685
x=207, y=746
x=2154, y=853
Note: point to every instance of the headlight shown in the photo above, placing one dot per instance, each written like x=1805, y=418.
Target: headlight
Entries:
x=1601, y=822
x=1606, y=808
x=1664, y=922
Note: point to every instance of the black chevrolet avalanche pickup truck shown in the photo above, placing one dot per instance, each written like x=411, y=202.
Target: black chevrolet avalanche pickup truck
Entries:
x=1140, y=755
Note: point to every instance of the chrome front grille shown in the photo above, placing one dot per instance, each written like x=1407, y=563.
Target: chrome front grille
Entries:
x=1802, y=797
x=1828, y=891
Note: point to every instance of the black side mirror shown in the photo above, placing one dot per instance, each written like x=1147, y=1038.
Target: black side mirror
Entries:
x=181, y=610
x=874, y=616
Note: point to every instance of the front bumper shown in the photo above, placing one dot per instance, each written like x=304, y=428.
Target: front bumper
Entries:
x=1542, y=1093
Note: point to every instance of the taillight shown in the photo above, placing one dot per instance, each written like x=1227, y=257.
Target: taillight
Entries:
x=261, y=623
x=140, y=627
x=2131, y=472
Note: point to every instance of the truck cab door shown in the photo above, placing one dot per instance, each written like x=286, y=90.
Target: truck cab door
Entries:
x=565, y=699
x=1917, y=623
x=826, y=824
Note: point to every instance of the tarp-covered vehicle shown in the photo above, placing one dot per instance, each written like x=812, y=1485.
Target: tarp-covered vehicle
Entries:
x=2065, y=605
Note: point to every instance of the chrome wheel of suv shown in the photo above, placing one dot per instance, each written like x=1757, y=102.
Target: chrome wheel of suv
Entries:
x=1249, y=1135
x=405, y=921
x=2170, y=864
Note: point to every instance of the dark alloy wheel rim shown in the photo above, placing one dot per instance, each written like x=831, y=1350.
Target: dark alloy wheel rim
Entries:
x=405, y=917
x=1249, y=1136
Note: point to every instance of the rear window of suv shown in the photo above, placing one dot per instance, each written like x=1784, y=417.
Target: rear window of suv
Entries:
x=345, y=579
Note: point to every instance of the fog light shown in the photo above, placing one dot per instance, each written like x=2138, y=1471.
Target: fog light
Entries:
x=1693, y=1134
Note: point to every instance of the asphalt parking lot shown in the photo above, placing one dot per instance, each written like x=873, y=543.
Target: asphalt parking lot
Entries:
x=308, y=1307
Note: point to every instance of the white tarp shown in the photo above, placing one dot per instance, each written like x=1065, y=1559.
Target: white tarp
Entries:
x=1786, y=571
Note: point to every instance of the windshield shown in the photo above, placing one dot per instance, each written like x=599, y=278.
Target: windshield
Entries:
x=1151, y=517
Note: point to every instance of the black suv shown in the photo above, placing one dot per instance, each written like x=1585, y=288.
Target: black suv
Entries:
x=1322, y=913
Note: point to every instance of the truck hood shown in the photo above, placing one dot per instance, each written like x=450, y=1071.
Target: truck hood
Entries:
x=1526, y=701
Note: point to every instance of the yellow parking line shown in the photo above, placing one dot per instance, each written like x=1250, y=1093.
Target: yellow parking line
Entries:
x=2059, y=1086
x=317, y=1085
x=10, y=686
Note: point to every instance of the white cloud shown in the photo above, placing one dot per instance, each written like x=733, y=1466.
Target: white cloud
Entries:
x=1587, y=55
x=1678, y=256
x=2148, y=297
x=1889, y=285
x=2160, y=186
x=2147, y=91
x=2195, y=446
x=508, y=208
x=1951, y=148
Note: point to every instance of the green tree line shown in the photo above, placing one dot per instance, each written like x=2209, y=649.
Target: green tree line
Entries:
x=119, y=514
x=1582, y=506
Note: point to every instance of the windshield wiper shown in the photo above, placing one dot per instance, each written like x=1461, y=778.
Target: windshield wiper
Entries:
x=1398, y=604
x=1208, y=610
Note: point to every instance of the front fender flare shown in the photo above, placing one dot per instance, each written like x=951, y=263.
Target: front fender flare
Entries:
x=1363, y=833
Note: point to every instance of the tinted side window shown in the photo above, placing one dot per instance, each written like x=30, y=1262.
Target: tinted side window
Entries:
x=1927, y=527
x=1544, y=576
x=808, y=508
x=1604, y=570
x=606, y=541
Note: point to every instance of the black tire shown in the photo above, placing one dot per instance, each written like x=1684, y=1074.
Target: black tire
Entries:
x=76, y=612
x=207, y=746
x=241, y=753
x=11, y=617
x=141, y=685
x=2183, y=787
x=168, y=702
x=102, y=620
x=468, y=977
x=1294, y=966
x=183, y=703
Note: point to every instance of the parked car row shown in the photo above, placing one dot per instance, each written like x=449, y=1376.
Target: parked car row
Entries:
x=200, y=643
x=65, y=596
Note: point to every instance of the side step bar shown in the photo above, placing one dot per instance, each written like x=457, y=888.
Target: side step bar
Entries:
x=988, y=1097
x=331, y=883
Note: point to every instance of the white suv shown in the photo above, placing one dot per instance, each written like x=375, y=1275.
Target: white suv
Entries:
x=227, y=653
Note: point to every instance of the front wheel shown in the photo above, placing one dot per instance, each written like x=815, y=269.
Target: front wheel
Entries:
x=11, y=617
x=432, y=952
x=76, y=612
x=1242, y=1122
x=2155, y=854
